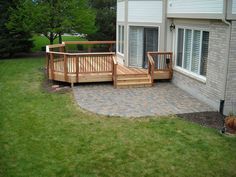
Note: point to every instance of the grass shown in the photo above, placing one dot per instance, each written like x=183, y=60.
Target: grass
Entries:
x=46, y=134
x=42, y=41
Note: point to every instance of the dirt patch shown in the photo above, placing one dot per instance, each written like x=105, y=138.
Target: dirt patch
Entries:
x=206, y=119
x=54, y=86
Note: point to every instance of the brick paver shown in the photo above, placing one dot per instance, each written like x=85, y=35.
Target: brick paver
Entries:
x=162, y=99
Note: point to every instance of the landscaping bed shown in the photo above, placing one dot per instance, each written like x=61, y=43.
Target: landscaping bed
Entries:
x=206, y=119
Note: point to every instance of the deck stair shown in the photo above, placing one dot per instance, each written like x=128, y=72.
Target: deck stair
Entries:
x=133, y=80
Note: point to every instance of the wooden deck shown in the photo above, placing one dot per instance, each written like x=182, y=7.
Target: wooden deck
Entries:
x=103, y=67
x=124, y=70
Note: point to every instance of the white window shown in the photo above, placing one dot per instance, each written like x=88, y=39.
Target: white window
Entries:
x=121, y=39
x=192, y=50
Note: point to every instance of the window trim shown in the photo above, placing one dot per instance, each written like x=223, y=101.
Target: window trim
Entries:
x=181, y=69
x=121, y=36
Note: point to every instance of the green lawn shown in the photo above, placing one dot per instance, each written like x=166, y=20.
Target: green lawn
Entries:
x=46, y=134
x=42, y=41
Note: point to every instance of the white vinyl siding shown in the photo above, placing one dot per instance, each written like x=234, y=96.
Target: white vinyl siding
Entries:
x=195, y=6
x=194, y=44
x=121, y=11
x=234, y=7
x=121, y=39
x=145, y=11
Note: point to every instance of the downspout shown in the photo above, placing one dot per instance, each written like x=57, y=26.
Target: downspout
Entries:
x=224, y=20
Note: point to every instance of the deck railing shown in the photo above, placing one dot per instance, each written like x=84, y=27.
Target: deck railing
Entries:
x=73, y=64
x=162, y=61
x=80, y=63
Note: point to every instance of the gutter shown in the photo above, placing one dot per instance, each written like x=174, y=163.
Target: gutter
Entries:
x=224, y=20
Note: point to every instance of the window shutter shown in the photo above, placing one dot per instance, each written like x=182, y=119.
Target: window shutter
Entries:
x=196, y=51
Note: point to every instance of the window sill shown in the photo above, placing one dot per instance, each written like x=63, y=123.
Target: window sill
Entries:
x=190, y=74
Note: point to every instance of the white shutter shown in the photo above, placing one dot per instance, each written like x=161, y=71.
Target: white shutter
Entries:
x=196, y=51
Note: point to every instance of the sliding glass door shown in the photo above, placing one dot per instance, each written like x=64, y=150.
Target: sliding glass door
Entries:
x=141, y=40
x=135, y=46
x=150, y=43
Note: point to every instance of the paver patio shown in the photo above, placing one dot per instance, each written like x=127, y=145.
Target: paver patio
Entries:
x=162, y=99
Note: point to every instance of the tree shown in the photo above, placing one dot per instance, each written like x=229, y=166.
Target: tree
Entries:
x=12, y=41
x=105, y=19
x=52, y=18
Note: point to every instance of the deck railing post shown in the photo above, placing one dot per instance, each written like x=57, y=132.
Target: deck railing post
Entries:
x=47, y=64
x=52, y=65
x=114, y=71
x=151, y=67
x=171, y=66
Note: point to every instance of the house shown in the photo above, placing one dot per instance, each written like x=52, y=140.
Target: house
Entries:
x=200, y=33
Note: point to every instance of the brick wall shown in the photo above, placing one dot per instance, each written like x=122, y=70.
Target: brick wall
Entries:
x=230, y=98
x=212, y=91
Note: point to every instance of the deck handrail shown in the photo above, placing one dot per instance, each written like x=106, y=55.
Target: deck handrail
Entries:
x=89, y=42
x=82, y=54
x=158, y=53
x=61, y=47
x=114, y=72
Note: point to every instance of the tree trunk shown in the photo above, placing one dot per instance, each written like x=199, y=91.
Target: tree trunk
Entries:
x=51, y=38
x=60, y=38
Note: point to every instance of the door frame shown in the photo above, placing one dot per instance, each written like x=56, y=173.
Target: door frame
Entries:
x=143, y=26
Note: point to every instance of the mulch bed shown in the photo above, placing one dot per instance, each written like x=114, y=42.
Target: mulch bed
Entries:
x=209, y=119
x=206, y=119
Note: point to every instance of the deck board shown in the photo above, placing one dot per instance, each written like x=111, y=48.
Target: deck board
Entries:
x=127, y=70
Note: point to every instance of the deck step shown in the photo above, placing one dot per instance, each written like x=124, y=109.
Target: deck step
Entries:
x=133, y=80
x=132, y=85
x=124, y=76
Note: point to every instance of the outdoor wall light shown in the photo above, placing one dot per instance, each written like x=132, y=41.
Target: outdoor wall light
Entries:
x=172, y=26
